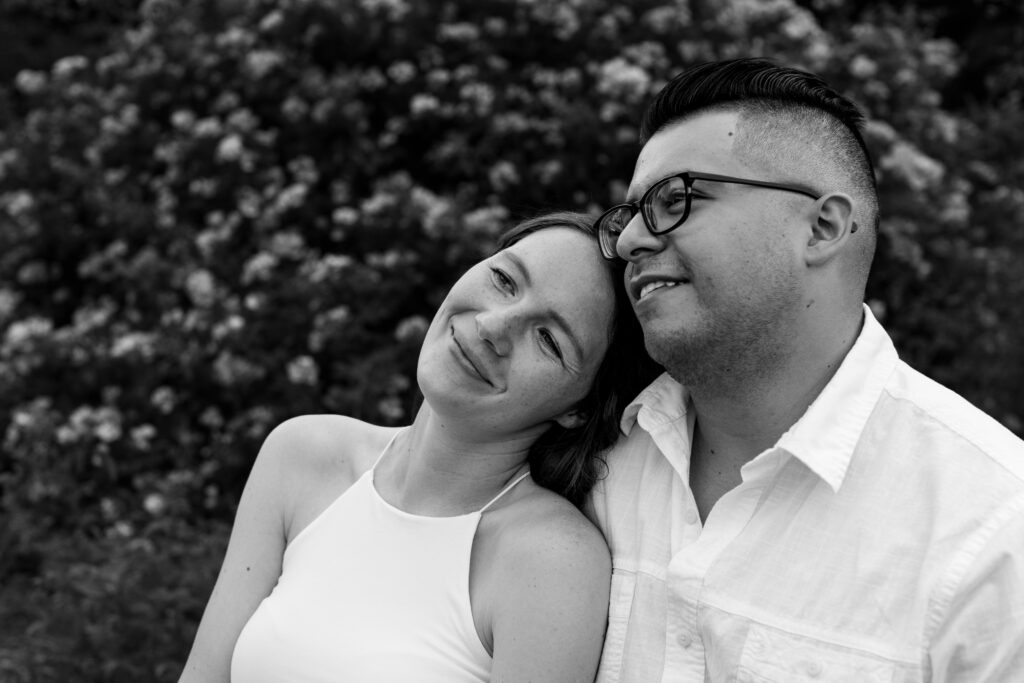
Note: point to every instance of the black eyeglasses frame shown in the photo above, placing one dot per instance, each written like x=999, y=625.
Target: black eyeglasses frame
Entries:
x=608, y=238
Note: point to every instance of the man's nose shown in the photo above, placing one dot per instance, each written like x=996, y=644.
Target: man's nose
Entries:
x=636, y=241
x=495, y=327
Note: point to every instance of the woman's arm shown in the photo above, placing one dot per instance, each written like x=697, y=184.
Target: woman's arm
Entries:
x=550, y=614
x=251, y=566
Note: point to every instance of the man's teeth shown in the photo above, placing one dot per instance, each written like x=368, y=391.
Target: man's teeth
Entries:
x=651, y=286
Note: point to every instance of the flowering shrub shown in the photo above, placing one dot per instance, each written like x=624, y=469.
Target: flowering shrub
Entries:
x=245, y=210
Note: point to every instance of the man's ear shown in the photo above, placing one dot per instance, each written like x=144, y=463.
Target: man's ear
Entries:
x=831, y=226
x=571, y=419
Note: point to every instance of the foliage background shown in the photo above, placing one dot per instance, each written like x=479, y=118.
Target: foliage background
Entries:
x=216, y=215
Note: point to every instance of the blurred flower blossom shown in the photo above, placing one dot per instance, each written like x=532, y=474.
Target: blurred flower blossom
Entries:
x=503, y=175
x=212, y=418
x=259, y=63
x=288, y=244
x=462, y=32
x=303, y=370
x=344, y=215
x=326, y=325
x=304, y=170
x=141, y=344
x=232, y=370
x=913, y=166
x=142, y=436
x=30, y=82
x=411, y=329
x=272, y=21
x=423, y=103
x=208, y=127
x=164, y=399
x=402, y=72
x=155, y=504
x=486, y=221
x=234, y=36
x=103, y=423
x=391, y=408
x=863, y=66
x=26, y=330
x=242, y=120
x=294, y=108
x=259, y=268
x=201, y=288
x=9, y=300
x=230, y=148
x=17, y=203
x=394, y=10
x=66, y=67
x=940, y=55
x=619, y=78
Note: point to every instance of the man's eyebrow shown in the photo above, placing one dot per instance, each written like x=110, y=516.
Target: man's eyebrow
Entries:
x=555, y=315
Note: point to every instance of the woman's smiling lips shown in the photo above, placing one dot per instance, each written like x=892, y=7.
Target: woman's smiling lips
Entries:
x=468, y=357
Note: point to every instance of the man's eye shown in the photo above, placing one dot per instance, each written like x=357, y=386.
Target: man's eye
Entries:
x=671, y=201
x=502, y=281
x=548, y=340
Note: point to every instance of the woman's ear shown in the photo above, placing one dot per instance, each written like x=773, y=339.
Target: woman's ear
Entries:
x=830, y=228
x=571, y=419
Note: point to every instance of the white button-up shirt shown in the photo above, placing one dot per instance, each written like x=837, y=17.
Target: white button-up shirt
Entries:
x=881, y=539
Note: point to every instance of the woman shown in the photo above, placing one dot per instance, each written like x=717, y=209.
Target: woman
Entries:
x=448, y=550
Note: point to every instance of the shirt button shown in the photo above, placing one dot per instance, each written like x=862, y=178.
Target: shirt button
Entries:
x=691, y=516
x=814, y=669
x=684, y=640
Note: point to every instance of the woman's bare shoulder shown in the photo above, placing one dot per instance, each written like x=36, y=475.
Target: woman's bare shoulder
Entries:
x=328, y=445
x=541, y=529
x=318, y=458
x=543, y=518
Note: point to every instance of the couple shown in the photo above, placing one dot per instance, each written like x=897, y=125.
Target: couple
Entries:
x=788, y=502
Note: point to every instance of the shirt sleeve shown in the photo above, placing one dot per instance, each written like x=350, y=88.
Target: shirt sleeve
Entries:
x=979, y=635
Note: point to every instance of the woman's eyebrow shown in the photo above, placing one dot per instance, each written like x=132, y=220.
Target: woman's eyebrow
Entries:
x=557, y=317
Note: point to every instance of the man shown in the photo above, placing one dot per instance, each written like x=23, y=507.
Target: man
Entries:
x=792, y=502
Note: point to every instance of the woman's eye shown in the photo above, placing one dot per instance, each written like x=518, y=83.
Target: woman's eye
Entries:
x=502, y=281
x=548, y=340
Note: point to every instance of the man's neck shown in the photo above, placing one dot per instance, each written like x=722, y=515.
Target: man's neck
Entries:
x=737, y=421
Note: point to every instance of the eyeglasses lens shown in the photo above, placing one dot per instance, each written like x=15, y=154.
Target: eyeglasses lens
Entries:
x=612, y=225
x=667, y=205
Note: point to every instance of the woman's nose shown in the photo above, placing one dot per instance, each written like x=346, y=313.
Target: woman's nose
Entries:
x=495, y=328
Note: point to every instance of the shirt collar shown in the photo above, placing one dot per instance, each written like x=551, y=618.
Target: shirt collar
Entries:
x=825, y=436
x=663, y=401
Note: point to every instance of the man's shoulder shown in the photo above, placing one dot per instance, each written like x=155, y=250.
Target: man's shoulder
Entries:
x=938, y=417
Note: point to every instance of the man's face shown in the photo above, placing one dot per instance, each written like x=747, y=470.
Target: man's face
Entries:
x=717, y=296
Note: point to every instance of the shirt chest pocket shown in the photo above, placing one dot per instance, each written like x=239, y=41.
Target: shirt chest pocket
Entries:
x=771, y=655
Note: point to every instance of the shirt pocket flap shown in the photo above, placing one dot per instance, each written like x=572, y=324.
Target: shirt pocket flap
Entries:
x=774, y=655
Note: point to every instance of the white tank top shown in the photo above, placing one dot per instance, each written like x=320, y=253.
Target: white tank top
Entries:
x=369, y=594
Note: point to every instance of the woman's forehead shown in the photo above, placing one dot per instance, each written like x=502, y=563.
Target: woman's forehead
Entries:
x=566, y=272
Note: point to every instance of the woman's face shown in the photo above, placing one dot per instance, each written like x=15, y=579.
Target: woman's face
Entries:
x=519, y=338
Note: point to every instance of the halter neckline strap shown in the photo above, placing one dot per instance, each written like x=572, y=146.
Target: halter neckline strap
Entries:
x=508, y=487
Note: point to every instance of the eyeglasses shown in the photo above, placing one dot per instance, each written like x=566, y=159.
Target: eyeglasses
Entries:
x=666, y=205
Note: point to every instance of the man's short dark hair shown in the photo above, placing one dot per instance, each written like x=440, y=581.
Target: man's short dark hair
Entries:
x=785, y=110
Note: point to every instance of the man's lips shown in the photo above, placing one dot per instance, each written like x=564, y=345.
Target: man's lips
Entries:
x=644, y=285
x=471, y=358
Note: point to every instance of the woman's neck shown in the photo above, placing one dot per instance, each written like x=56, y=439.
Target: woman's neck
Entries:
x=432, y=469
